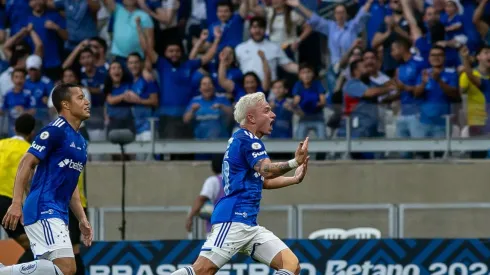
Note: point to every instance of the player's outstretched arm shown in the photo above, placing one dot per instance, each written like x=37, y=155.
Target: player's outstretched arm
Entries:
x=271, y=170
x=85, y=228
x=281, y=182
x=26, y=168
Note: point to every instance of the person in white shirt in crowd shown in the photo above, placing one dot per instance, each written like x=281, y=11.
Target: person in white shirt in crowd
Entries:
x=250, y=61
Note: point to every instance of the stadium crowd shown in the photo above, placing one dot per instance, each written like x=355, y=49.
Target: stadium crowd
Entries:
x=395, y=67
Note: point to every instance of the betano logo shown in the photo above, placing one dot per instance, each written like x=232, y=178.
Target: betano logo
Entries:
x=71, y=164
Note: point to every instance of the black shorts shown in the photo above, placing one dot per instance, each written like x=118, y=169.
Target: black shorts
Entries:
x=73, y=226
x=5, y=203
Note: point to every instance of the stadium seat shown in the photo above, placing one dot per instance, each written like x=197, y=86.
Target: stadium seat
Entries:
x=329, y=234
x=363, y=233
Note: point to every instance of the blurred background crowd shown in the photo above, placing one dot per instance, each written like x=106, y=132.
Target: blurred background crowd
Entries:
x=394, y=68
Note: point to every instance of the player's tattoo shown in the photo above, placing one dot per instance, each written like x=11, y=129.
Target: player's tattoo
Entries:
x=272, y=169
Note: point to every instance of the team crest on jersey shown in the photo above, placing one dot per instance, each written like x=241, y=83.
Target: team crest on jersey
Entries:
x=44, y=135
x=256, y=146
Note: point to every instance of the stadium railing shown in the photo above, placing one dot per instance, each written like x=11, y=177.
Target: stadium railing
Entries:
x=422, y=219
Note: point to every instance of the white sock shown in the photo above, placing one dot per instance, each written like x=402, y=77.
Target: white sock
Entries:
x=35, y=267
x=188, y=270
x=283, y=272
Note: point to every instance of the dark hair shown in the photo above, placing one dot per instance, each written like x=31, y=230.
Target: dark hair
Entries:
x=373, y=51
x=484, y=47
x=174, y=42
x=135, y=54
x=255, y=76
x=100, y=41
x=25, y=124
x=109, y=85
x=305, y=65
x=73, y=70
x=259, y=20
x=24, y=72
x=283, y=81
x=62, y=93
x=353, y=66
x=404, y=43
x=216, y=163
x=18, y=55
x=225, y=3
x=436, y=47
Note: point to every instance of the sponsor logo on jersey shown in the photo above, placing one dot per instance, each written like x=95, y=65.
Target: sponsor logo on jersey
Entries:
x=44, y=135
x=49, y=212
x=71, y=164
x=38, y=147
x=258, y=154
x=256, y=146
x=244, y=214
x=28, y=268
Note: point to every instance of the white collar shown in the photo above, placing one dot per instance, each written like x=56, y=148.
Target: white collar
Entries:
x=19, y=138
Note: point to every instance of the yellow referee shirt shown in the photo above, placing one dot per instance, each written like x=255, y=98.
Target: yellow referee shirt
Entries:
x=11, y=152
x=477, y=114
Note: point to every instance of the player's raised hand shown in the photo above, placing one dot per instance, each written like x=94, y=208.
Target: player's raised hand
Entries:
x=87, y=232
x=302, y=152
x=300, y=172
x=13, y=216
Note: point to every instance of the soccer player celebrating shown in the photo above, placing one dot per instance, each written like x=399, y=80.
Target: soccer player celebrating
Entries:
x=247, y=169
x=59, y=152
x=11, y=152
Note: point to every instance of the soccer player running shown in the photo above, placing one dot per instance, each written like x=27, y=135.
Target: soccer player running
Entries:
x=59, y=152
x=11, y=152
x=247, y=170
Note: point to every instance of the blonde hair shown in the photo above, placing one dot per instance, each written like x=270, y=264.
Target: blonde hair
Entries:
x=244, y=104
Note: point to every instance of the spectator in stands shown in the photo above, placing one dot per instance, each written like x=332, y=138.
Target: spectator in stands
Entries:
x=251, y=62
x=232, y=69
x=282, y=26
x=480, y=23
x=341, y=33
x=119, y=98
x=17, y=101
x=164, y=13
x=282, y=106
x=309, y=96
x=360, y=102
x=438, y=87
x=175, y=75
x=144, y=96
x=209, y=113
x=477, y=105
x=17, y=52
x=455, y=37
x=406, y=79
x=17, y=14
x=51, y=28
x=125, y=38
x=92, y=79
x=99, y=48
x=393, y=28
x=229, y=23
x=40, y=88
x=81, y=20
x=250, y=83
x=379, y=10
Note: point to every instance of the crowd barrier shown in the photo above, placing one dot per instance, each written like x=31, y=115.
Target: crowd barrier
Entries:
x=348, y=257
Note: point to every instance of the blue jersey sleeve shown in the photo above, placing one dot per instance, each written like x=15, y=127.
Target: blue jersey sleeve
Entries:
x=253, y=149
x=319, y=87
x=47, y=141
x=297, y=88
x=355, y=88
x=453, y=80
x=152, y=87
x=194, y=64
x=485, y=84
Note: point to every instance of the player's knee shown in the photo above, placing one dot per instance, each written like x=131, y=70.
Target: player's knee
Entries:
x=286, y=260
x=204, y=266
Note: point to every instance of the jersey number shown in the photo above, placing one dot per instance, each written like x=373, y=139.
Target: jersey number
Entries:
x=226, y=175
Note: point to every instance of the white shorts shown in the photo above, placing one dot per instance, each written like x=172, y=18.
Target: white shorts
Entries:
x=227, y=239
x=50, y=239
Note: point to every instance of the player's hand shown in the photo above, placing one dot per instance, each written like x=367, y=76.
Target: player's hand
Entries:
x=138, y=21
x=87, y=233
x=301, y=153
x=13, y=216
x=465, y=52
x=204, y=35
x=293, y=3
x=261, y=55
x=300, y=172
x=188, y=224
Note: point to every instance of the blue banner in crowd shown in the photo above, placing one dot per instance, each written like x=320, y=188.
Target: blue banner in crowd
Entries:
x=349, y=257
